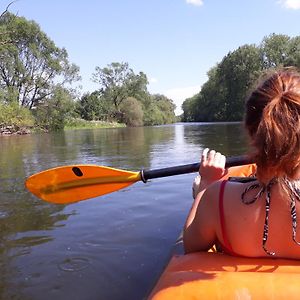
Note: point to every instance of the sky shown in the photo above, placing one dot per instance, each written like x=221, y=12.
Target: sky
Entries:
x=174, y=42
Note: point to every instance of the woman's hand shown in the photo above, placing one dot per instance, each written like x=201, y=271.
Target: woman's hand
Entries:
x=212, y=167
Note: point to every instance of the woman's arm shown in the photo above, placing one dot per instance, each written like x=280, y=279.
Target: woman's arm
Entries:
x=199, y=233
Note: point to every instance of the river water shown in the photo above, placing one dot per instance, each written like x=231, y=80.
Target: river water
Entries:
x=109, y=247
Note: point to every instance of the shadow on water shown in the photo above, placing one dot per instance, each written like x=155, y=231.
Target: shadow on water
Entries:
x=111, y=247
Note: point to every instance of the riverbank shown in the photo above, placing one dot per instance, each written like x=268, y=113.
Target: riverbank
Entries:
x=7, y=130
x=83, y=124
x=13, y=130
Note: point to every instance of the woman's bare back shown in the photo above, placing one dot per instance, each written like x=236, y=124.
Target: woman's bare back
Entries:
x=245, y=222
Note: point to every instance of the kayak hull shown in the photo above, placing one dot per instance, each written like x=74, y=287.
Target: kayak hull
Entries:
x=209, y=275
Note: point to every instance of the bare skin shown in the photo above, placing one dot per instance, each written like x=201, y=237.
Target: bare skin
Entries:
x=244, y=223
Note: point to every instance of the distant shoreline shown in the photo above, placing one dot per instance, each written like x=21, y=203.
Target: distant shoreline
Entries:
x=83, y=124
x=11, y=130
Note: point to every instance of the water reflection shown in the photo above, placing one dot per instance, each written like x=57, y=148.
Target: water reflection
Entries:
x=219, y=136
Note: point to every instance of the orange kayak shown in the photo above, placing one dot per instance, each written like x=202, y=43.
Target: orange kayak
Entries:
x=212, y=275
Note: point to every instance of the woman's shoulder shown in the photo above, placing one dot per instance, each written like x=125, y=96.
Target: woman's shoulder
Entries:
x=233, y=187
x=232, y=181
x=211, y=194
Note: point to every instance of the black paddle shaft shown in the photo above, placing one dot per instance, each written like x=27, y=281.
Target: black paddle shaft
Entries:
x=190, y=168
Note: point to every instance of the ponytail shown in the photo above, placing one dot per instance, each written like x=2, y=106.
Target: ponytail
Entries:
x=273, y=122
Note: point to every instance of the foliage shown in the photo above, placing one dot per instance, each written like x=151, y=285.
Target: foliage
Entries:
x=222, y=96
x=166, y=106
x=132, y=112
x=276, y=50
x=189, y=114
x=123, y=97
x=54, y=113
x=158, y=109
x=118, y=82
x=11, y=114
x=235, y=75
x=94, y=107
x=31, y=64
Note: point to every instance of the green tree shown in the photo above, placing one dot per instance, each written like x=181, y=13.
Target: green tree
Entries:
x=237, y=73
x=207, y=104
x=31, y=64
x=158, y=109
x=3, y=32
x=222, y=96
x=279, y=50
x=54, y=114
x=294, y=51
x=189, y=112
x=166, y=106
x=132, y=112
x=118, y=82
x=94, y=107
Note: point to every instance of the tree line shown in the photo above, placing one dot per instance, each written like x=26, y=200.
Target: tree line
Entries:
x=37, y=83
x=123, y=96
x=222, y=96
x=37, y=79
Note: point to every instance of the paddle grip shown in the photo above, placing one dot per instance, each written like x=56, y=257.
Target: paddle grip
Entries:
x=190, y=168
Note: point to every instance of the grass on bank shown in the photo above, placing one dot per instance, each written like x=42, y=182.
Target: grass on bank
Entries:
x=83, y=124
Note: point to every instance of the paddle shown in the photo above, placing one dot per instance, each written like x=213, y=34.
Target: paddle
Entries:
x=70, y=184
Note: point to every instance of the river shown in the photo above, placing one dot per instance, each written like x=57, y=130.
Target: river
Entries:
x=109, y=247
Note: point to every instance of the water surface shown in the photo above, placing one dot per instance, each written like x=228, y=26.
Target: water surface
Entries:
x=109, y=247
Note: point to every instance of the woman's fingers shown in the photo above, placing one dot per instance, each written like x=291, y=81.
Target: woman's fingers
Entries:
x=212, y=166
x=218, y=157
x=222, y=160
x=211, y=157
x=204, y=154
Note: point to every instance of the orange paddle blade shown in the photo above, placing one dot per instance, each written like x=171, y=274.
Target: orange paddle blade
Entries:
x=70, y=184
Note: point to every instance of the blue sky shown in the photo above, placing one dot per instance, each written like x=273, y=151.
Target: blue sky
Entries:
x=174, y=42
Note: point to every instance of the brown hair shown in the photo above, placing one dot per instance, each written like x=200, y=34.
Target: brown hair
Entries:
x=273, y=123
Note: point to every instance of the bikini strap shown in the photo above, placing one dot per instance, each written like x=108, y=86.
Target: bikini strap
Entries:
x=266, y=225
x=295, y=195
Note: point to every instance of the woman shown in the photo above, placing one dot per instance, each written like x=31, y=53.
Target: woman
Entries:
x=257, y=218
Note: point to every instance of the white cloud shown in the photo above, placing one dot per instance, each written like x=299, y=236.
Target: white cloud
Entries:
x=178, y=95
x=195, y=2
x=290, y=4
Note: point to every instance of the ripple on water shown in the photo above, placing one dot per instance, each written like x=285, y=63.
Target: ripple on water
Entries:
x=74, y=264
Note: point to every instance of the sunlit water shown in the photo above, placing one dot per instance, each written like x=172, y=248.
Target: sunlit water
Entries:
x=110, y=247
